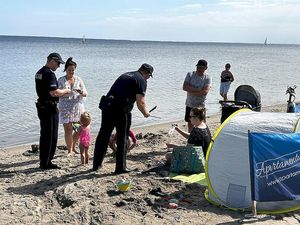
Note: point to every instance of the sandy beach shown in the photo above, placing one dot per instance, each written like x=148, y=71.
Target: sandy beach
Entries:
x=76, y=195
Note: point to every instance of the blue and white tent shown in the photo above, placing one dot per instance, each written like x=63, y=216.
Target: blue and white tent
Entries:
x=227, y=161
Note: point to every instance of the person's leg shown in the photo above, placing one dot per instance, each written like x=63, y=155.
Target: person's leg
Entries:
x=112, y=144
x=54, y=135
x=221, y=90
x=75, y=140
x=225, y=97
x=107, y=126
x=82, y=153
x=122, y=127
x=187, y=118
x=171, y=145
x=68, y=136
x=86, y=152
x=45, y=133
x=168, y=157
x=129, y=144
x=226, y=86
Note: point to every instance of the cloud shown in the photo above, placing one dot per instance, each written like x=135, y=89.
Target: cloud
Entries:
x=257, y=3
x=231, y=21
x=191, y=6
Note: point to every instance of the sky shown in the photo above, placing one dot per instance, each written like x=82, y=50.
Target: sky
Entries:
x=233, y=21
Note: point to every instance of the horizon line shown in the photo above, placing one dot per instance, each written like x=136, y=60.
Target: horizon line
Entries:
x=170, y=41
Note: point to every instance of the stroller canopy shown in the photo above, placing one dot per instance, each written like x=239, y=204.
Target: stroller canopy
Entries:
x=248, y=94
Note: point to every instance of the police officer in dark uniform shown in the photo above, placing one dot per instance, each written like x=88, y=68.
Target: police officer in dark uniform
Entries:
x=116, y=109
x=48, y=93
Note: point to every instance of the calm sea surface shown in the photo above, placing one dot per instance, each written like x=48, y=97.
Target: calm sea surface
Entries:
x=269, y=69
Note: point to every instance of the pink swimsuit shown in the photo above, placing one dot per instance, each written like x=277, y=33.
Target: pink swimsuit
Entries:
x=85, y=137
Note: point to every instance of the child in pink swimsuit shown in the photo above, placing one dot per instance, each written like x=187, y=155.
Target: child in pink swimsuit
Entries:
x=85, y=137
x=131, y=142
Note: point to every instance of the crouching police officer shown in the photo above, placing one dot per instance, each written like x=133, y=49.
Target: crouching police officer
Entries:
x=116, y=109
x=48, y=93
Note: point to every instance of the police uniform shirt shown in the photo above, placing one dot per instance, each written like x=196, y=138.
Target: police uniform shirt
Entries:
x=45, y=81
x=127, y=86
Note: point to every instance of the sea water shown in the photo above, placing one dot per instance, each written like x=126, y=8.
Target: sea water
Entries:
x=267, y=68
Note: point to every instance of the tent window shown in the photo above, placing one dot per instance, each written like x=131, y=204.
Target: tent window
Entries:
x=236, y=195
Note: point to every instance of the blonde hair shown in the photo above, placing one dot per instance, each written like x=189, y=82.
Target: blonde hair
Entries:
x=85, y=118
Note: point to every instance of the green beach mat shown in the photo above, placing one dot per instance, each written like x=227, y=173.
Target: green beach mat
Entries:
x=190, y=178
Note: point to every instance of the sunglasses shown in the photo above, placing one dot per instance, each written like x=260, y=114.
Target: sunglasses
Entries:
x=192, y=116
x=58, y=63
x=56, y=60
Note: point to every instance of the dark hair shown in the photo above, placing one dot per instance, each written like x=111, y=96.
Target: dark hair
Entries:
x=202, y=63
x=227, y=65
x=199, y=112
x=70, y=62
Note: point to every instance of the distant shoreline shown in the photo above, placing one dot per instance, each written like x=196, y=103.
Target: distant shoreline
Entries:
x=153, y=127
x=87, y=39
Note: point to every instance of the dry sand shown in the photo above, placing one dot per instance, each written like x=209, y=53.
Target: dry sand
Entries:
x=76, y=195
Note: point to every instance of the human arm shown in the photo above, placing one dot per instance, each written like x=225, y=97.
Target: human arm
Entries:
x=196, y=91
x=231, y=77
x=133, y=141
x=59, y=88
x=132, y=146
x=112, y=142
x=183, y=133
x=141, y=104
x=59, y=92
x=81, y=89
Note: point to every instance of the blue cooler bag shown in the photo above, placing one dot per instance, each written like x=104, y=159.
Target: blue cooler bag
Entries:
x=187, y=159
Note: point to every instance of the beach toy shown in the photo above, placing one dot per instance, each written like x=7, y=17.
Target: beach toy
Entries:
x=173, y=205
x=139, y=136
x=174, y=200
x=76, y=126
x=123, y=185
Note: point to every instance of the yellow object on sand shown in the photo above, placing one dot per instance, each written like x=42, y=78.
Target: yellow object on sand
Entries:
x=123, y=185
x=190, y=178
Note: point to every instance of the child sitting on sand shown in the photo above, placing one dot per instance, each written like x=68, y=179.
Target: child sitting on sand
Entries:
x=85, y=136
x=200, y=134
x=131, y=142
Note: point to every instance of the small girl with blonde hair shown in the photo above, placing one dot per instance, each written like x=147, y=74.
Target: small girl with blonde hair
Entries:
x=85, y=136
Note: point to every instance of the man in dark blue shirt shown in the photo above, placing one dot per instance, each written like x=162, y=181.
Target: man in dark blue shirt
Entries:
x=48, y=93
x=116, y=109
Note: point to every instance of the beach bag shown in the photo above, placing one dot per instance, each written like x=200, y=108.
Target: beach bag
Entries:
x=187, y=159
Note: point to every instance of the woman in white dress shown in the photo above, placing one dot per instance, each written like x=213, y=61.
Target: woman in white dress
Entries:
x=71, y=105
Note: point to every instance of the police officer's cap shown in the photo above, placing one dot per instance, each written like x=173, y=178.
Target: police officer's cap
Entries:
x=56, y=56
x=147, y=67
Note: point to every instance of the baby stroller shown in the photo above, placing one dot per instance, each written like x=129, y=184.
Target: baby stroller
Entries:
x=245, y=96
x=292, y=107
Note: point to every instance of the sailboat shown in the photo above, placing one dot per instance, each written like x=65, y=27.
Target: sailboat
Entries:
x=83, y=39
x=266, y=41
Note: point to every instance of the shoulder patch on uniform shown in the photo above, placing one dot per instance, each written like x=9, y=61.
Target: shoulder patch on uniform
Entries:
x=38, y=76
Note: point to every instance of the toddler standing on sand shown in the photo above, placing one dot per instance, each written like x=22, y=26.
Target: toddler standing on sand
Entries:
x=85, y=136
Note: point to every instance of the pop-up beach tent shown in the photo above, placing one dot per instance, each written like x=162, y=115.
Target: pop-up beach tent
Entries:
x=227, y=162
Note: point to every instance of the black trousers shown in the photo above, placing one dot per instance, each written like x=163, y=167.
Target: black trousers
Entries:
x=48, y=134
x=113, y=119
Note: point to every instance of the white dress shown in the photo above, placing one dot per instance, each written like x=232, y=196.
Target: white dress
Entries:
x=71, y=105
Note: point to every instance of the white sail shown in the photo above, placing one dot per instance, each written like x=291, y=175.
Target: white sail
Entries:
x=83, y=39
